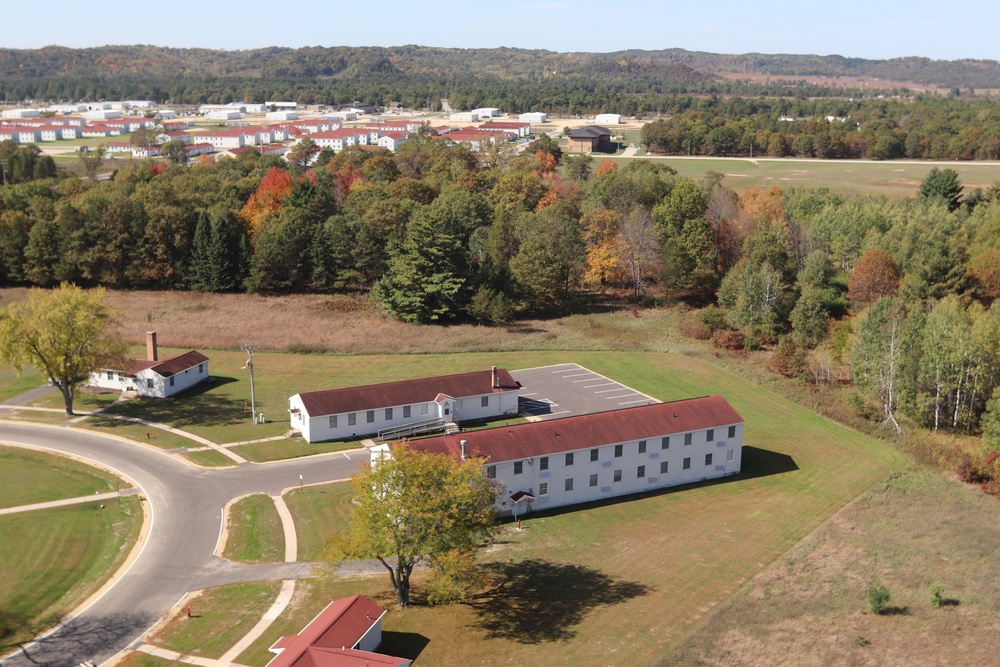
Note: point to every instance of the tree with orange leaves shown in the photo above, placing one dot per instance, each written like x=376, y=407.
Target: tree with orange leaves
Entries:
x=874, y=276
x=606, y=167
x=272, y=191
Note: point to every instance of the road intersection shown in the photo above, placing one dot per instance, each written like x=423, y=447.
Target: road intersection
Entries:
x=186, y=507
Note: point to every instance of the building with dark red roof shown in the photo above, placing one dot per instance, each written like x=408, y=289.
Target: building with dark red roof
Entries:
x=594, y=456
x=151, y=376
x=345, y=634
x=354, y=412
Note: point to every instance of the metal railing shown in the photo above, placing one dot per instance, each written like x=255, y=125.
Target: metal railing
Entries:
x=415, y=428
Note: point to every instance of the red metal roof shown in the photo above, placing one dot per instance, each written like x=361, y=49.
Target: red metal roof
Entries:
x=340, y=626
x=553, y=436
x=407, y=392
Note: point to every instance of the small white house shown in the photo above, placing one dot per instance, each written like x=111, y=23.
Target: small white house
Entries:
x=533, y=117
x=589, y=457
x=355, y=412
x=152, y=377
x=608, y=119
x=345, y=634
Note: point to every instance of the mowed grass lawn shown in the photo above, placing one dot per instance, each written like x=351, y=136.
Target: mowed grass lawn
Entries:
x=894, y=179
x=28, y=476
x=255, y=532
x=51, y=560
x=623, y=581
x=319, y=513
x=12, y=384
x=220, y=617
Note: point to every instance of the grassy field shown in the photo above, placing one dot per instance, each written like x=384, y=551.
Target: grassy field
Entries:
x=894, y=179
x=28, y=476
x=209, y=458
x=12, y=384
x=575, y=583
x=255, y=532
x=914, y=530
x=289, y=448
x=59, y=557
x=219, y=618
x=319, y=512
x=157, y=437
x=137, y=659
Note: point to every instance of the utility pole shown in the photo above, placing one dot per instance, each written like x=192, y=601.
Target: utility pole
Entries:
x=249, y=349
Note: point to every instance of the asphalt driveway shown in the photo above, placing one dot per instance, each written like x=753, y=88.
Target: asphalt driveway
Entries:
x=564, y=390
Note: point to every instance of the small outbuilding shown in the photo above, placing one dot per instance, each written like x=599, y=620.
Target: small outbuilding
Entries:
x=588, y=139
x=608, y=119
x=347, y=633
x=152, y=377
x=533, y=117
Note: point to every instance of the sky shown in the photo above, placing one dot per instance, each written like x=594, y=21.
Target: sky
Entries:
x=874, y=29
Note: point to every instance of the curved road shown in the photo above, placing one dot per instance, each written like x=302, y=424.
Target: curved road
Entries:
x=186, y=504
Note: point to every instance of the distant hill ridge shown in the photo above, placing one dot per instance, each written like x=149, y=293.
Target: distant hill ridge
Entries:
x=342, y=62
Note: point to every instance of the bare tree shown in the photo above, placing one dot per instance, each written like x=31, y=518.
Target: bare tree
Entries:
x=639, y=245
x=91, y=160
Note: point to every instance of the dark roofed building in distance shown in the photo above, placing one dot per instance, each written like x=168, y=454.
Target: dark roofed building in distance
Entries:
x=588, y=139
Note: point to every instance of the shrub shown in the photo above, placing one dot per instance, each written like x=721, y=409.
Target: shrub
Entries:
x=728, y=340
x=713, y=318
x=878, y=599
x=937, y=595
x=991, y=487
x=969, y=472
x=789, y=359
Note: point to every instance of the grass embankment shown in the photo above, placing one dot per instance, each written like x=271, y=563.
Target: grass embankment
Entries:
x=209, y=458
x=255, y=532
x=12, y=384
x=137, y=659
x=220, y=617
x=29, y=476
x=914, y=530
x=59, y=557
x=289, y=448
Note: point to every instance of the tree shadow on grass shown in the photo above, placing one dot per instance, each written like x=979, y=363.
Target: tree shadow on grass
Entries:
x=194, y=406
x=535, y=601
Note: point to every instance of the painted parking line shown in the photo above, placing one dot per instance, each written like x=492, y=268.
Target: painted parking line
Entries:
x=568, y=370
x=590, y=386
x=622, y=396
x=577, y=375
x=604, y=391
x=579, y=381
x=641, y=400
x=534, y=393
x=561, y=412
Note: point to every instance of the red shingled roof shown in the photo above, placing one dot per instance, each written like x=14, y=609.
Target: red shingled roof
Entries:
x=407, y=392
x=584, y=431
x=179, y=363
x=340, y=626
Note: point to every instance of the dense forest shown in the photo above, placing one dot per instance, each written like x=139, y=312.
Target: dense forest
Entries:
x=892, y=296
x=924, y=128
x=514, y=80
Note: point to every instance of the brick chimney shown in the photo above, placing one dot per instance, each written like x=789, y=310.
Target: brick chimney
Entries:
x=496, y=380
x=151, y=351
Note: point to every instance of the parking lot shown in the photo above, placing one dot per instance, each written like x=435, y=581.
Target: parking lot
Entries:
x=564, y=390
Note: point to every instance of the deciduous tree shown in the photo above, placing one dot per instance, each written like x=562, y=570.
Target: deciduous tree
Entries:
x=66, y=333
x=413, y=507
x=874, y=276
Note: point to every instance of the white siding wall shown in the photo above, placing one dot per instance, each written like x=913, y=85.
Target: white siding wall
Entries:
x=319, y=428
x=532, y=476
x=118, y=381
x=162, y=387
x=371, y=639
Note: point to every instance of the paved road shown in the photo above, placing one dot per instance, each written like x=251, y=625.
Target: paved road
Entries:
x=186, y=504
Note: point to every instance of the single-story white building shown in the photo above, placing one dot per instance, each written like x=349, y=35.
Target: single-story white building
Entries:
x=21, y=113
x=281, y=115
x=486, y=112
x=464, y=117
x=533, y=117
x=103, y=114
x=224, y=114
x=353, y=412
x=152, y=377
x=608, y=119
x=600, y=455
x=345, y=634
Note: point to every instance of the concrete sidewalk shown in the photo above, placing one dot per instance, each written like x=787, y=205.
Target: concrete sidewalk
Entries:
x=68, y=501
